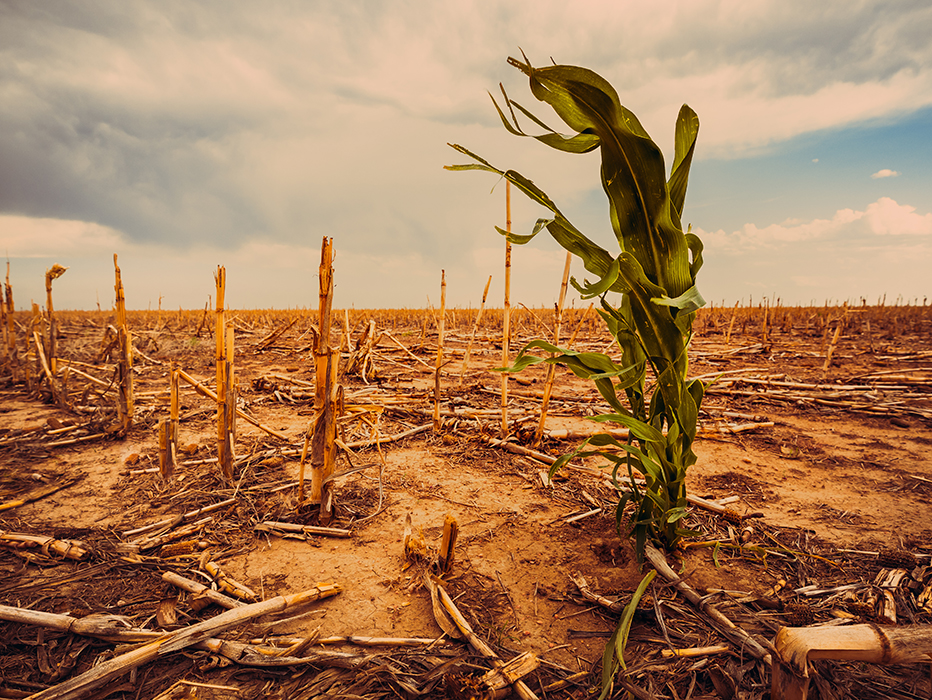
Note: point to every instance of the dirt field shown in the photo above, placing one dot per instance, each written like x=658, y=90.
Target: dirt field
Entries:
x=828, y=466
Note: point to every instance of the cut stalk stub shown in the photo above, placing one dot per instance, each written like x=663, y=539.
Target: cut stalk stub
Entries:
x=797, y=646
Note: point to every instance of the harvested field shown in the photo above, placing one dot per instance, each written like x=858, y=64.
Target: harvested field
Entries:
x=815, y=431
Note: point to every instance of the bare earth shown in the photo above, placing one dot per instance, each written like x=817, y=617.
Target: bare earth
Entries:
x=845, y=470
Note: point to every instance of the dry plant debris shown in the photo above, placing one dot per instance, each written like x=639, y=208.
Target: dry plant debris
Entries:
x=830, y=525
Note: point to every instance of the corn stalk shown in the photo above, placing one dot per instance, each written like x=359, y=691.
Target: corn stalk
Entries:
x=654, y=272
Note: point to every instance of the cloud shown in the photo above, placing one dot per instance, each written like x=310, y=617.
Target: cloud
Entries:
x=223, y=122
x=887, y=218
x=210, y=130
x=883, y=218
x=884, y=249
x=25, y=237
x=885, y=173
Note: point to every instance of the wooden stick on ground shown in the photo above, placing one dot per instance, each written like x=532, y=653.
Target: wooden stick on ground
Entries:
x=177, y=520
x=43, y=362
x=201, y=591
x=9, y=309
x=693, y=652
x=80, y=686
x=52, y=273
x=582, y=318
x=70, y=549
x=731, y=323
x=389, y=438
x=520, y=687
x=314, y=530
x=274, y=335
x=168, y=536
x=722, y=624
x=408, y=352
x=224, y=421
x=839, y=326
x=346, y=340
x=42, y=492
x=616, y=606
x=360, y=359
x=174, y=414
x=113, y=628
x=266, y=657
x=363, y=641
x=447, y=551
x=207, y=393
x=166, y=463
x=33, y=365
x=321, y=435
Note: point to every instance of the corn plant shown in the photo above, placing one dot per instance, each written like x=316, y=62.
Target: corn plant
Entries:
x=655, y=274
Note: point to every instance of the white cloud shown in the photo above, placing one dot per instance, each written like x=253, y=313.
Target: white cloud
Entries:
x=885, y=217
x=885, y=173
x=885, y=248
x=25, y=237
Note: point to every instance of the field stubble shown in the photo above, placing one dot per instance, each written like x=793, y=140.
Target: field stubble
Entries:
x=816, y=421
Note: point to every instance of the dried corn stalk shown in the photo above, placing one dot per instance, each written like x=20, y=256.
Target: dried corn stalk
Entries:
x=124, y=371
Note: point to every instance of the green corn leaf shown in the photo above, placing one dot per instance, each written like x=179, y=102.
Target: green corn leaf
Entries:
x=614, y=655
x=676, y=514
x=687, y=129
x=597, y=289
x=688, y=301
x=695, y=250
x=627, y=617
x=580, y=143
x=519, y=239
x=640, y=430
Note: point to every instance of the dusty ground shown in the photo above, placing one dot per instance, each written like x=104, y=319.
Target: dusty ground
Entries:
x=823, y=478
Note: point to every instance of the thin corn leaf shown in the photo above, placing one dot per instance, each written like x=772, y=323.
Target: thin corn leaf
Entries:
x=627, y=617
x=687, y=129
x=687, y=302
x=589, y=290
x=640, y=429
x=580, y=143
x=695, y=250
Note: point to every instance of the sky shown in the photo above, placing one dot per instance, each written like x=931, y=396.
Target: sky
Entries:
x=183, y=135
